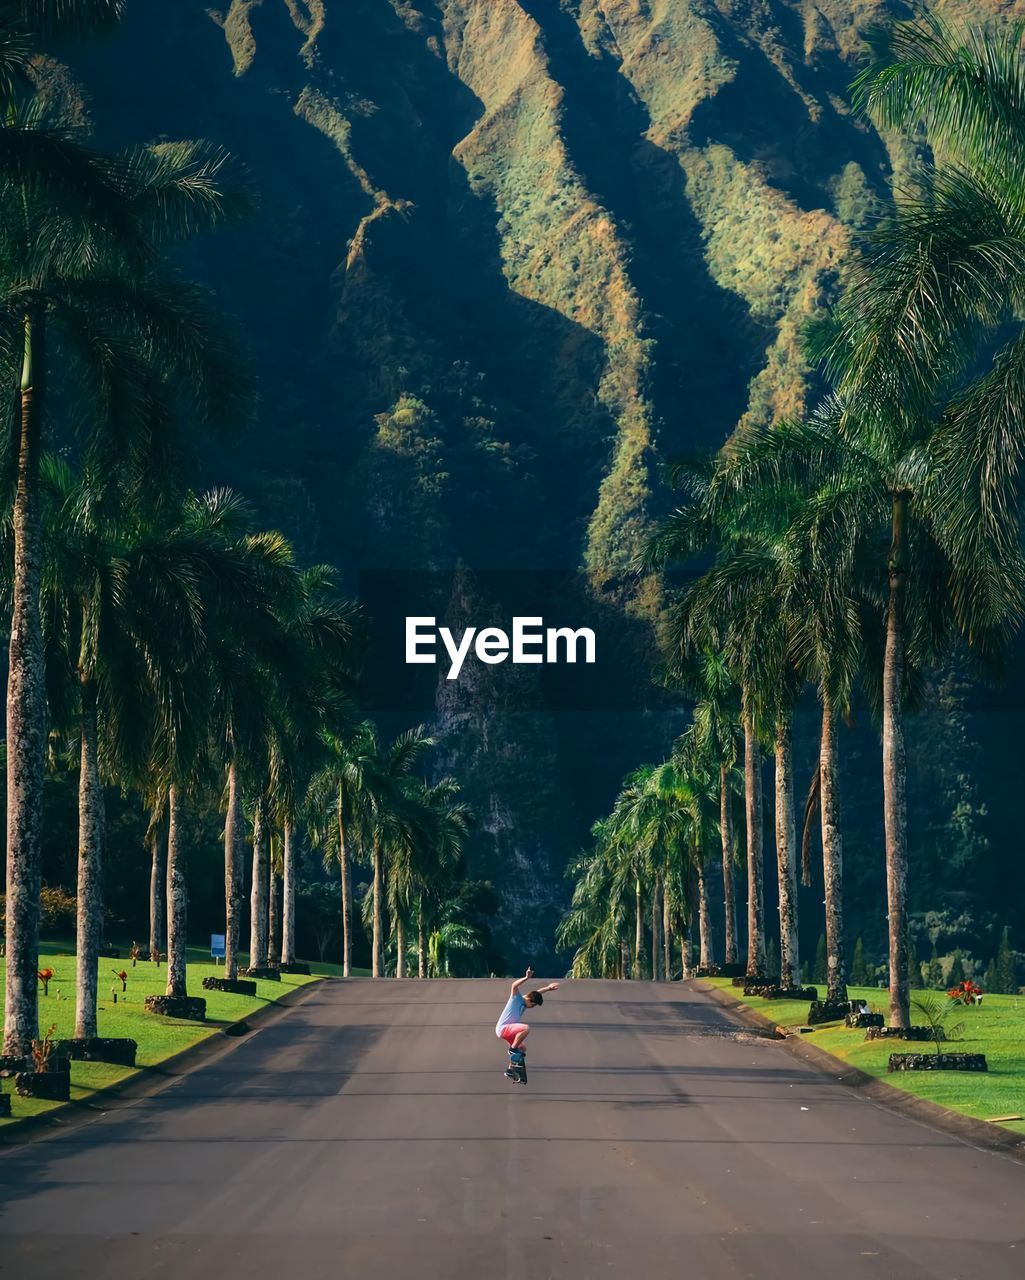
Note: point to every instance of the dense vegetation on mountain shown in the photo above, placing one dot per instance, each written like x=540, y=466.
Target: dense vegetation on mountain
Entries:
x=510, y=256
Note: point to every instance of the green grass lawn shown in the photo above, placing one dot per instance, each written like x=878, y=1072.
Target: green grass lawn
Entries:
x=995, y=1028
x=158, y=1037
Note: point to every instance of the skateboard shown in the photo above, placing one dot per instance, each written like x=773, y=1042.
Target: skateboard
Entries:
x=517, y=1070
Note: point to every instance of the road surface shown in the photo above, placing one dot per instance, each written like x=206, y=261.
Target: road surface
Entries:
x=371, y=1134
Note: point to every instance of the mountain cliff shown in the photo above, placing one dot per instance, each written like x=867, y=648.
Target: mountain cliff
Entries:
x=510, y=255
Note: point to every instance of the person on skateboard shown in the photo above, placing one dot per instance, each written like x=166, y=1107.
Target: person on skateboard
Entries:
x=513, y=1030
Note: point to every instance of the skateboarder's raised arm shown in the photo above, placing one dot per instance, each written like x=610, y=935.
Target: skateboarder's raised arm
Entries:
x=552, y=986
x=520, y=981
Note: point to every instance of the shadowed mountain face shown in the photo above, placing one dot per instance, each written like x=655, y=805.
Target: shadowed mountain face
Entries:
x=510, y=254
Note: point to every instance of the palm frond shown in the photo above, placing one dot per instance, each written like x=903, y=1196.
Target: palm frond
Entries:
x=965, y=83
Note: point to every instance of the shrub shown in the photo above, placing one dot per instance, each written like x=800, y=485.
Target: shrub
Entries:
x=58, y=909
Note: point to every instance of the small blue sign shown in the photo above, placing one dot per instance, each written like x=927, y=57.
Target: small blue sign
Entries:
x=217, y=946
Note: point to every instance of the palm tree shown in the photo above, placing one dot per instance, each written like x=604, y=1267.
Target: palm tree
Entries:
x=274, y=869
x=91, y=607
x=226, y=577
x=687, y=787
x=388, y=817
x=312, y=671
x=132, y=336
x=156, y=835
x=422, y=853
x=289, y=885
x=123, y=612
x=242, y=641
x=845, y=489
x=726, y=610
x=597, y=921
x=928, y=382
x=716, y=721
x=454, y=822
x=340, y=789
x=660, y=833
x=633, y=809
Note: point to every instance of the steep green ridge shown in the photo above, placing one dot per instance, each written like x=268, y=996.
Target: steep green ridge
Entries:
x=512, y=254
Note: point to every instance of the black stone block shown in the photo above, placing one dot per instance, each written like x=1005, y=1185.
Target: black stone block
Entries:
x=52, y=1086
x=937, y=1062
x=828, y=1011
x=235, y=986
x=192, y=1008
x=118, y=1051
x=880, y=1032
x=864, y=1019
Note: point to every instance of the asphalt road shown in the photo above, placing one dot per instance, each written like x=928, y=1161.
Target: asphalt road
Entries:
x=371, y=1134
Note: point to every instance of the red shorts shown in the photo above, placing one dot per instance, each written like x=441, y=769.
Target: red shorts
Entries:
x=510, y=1032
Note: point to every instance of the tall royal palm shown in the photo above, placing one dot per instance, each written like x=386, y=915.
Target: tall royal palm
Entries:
x=128, y=336
x=722, y=611
x=243, y=634
x=687, y=790
x=851, y=473
x=625, y=842
x=228, y=576
x=388, y=818
x=818, y=570
x=311, y=671
x=598, y=918
x=339, y=802
x=429, y=862
x=106, y=566
x=717, y=736
x=914, y=437
x=743, y=594
x=924, y=347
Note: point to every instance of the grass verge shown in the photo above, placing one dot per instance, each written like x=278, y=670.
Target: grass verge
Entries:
x=158, y=1038
x=995, y=1028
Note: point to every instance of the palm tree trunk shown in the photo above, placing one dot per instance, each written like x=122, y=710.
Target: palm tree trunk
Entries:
x=686, y=948
x=91, y=833
x=273, y=912
x=832, y=853
x=26, y=714
x=234, y=856
x=638, y=934
x=786, y=857
x=400, y=948
x=288, y=897
x=667, y=938
x=156, y=897
x=895, y=770
x=755, y=900
x=343, y=867
x=706, y=951
x=377, y=941
x=177, y=897
x=728, y=888
x=258, y=893
x=654, y=929
x=421, y=967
